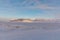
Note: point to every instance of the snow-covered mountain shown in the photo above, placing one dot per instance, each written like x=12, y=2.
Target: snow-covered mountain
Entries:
x=35, y=20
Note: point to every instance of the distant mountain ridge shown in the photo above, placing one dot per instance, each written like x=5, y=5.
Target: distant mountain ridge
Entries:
x=35, y=20
x=21, y=20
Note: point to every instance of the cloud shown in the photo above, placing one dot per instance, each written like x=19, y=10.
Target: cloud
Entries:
x=35, y=4
x=42, y=7
x=38, y=5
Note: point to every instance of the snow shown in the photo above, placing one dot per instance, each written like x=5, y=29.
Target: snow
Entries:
x=29, y=31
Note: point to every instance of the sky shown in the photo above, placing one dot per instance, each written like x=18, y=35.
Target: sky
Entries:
x=29, y=8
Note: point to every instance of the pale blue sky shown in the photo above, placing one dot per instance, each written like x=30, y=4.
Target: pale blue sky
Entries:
x=30, y=8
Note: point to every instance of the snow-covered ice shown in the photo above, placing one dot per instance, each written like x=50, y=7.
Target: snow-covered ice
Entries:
x=29, y=31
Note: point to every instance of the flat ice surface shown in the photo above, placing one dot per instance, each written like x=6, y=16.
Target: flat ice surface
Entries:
x=29, y=31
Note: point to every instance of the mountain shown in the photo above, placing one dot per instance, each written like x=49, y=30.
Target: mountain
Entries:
x=21, y=20
x=35, y=20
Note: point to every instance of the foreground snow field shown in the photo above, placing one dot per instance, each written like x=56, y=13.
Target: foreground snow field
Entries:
x=29, y=31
